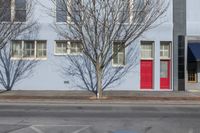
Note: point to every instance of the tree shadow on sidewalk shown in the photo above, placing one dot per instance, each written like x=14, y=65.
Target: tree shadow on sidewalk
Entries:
x=3, y=91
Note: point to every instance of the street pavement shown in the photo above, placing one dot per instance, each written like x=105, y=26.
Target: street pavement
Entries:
x=101, y=118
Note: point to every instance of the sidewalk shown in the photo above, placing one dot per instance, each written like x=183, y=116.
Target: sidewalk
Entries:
x=88, y=96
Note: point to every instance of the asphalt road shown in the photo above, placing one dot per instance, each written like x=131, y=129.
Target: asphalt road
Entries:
x=33, y=118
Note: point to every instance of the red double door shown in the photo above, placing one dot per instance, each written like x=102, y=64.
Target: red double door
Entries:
x=146, y=74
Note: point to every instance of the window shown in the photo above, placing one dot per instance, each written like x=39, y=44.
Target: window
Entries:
x=139, y=9
x=192, y=72
x=119, y=53
x=124, y=12
x=68, y=47
x=41, y=51
x=165, y=50
x=75, y=47
x=61, y=11
x=20, y=10
x=29, y=49
x=75, y=10
x=17, y=49
x=5, y=10
x=146, y=50
x=163, y=69
x=61, y=47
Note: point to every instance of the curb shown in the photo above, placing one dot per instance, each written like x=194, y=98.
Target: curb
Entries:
x=108, y=98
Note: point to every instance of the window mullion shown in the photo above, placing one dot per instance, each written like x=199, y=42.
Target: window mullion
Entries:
x=12, y=10
x=35, y=49
x=69, y=48
x=22, y=49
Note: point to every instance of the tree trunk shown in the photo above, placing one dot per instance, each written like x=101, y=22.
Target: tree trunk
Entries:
x=99, y=81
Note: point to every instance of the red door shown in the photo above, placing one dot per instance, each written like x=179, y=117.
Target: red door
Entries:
x=165, y=74
x=146, y=74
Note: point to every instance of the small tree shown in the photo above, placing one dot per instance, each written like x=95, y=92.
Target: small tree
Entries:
x=98, y=24
x=15, y=22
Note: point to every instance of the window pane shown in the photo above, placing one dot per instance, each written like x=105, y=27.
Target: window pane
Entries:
x=61, y=11
x=192, y=72
x=20, y=15
x=121, y=58
x=146, y=50
x=166, y=47
x=20, y=4
x=61, y=16
x=5, y=10
x=75, y=10
x=124, y=13
x=119, y=53
x=17, y=49
x=41, y=49
x=163, y=69
x=165, y=50
x=65, y=47
x=59, y=50
x=61, y=47
x=75, y=47
x=20, y=10
x=29, y=48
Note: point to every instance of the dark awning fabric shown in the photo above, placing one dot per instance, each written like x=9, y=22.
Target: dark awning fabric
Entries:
x=194, y=51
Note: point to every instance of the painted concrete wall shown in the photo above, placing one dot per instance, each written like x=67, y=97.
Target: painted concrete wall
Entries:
x=193, y=33
x=193, y=18
x=47, y=76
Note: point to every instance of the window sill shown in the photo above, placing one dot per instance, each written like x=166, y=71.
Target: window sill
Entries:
x=57, y=54
x=117, y=65
x=165, y=58
x=12, y=22
x=147, y=59
x=17, y=58
x=193, y=82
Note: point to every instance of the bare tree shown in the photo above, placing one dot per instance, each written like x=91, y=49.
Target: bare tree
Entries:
x=99, y=24
x=13, y=71
x=15, y=22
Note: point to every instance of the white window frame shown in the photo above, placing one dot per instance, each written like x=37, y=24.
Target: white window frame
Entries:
x=163, y=50
x=23, y=49
x=68, y=48
x=124, y=56
x=35, y=50
x=20, y=50
x=152, y=43
x=14, y=12
x=55, y=47
x=44, y=42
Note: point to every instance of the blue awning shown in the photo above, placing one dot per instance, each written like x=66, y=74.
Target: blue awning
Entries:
x=194, y=51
